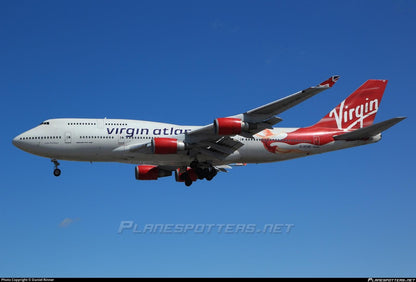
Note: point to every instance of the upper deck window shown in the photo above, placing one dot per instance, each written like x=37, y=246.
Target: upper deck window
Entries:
x=45, y=122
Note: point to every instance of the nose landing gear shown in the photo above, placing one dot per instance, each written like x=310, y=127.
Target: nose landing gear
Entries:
x=56, y=171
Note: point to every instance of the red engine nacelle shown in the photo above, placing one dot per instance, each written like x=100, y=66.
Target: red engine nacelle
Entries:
x=167, y=145
x=150, y=172
x=191, y=172
x=229, y=126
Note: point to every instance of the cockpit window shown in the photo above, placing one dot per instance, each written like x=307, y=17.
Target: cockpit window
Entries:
x=45, y=122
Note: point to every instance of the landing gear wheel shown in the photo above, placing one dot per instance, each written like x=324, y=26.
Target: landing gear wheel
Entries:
x=188, y=181
x=199, y=173
x=57, y=172
x=211, y=174
x=205, y=172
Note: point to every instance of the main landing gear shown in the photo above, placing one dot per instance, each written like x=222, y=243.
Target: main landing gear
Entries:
x=198, y=171
x=188, y=180
x=207, y=172
x=56, y=171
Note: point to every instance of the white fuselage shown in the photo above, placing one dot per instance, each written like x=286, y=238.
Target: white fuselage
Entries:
x=107, y=140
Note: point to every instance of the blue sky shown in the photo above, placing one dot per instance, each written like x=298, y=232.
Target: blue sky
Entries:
x=188, y=62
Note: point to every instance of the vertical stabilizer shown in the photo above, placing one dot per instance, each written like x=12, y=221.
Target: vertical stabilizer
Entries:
x=358, y=110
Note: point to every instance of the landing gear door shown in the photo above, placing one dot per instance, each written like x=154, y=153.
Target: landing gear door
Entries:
x=67, y=137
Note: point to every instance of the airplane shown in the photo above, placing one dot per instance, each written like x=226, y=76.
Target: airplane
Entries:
x=199, y=152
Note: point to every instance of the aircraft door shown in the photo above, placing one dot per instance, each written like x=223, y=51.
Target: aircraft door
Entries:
x=100, y=123
x=67, y=137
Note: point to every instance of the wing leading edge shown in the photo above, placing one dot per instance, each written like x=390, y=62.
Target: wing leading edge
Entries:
x=274, y=108
x=264, y=116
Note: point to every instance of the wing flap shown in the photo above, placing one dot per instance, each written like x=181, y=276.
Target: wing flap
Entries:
x=218, y=149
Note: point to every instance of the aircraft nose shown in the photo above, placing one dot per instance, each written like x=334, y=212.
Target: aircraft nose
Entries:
x=17, y=142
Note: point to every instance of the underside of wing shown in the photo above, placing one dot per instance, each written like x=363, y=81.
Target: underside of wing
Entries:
x=219, y=148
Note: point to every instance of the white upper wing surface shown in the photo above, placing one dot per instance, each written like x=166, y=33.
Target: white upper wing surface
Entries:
x=262, y=117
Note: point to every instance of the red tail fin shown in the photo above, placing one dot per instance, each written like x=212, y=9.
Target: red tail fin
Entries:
x=358, y=110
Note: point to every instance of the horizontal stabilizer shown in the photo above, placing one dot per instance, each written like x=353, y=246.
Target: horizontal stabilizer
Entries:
x=369, y=131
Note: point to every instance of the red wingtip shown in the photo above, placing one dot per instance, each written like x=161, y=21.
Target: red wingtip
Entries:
x=330, y=81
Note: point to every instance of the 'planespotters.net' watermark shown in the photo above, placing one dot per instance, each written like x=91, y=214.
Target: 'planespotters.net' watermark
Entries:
x=204, y=228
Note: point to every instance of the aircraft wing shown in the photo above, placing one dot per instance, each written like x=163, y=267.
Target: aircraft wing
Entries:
x=369, y=131
x=269, y=110
x=207, y=141
x=137, y=148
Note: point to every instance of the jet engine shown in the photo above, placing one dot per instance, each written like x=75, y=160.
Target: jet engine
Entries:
x=150, y=172
x=229, y=126
x=167, y=145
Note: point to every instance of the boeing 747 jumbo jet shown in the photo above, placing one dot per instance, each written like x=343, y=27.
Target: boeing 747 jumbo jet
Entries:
x=198, y=152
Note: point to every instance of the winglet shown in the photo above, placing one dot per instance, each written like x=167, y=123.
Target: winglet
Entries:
x=330, y=81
